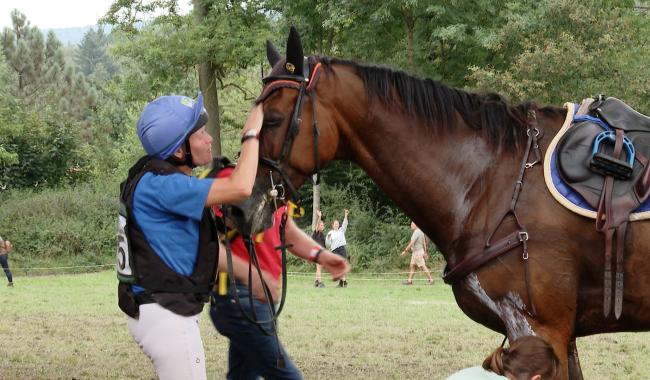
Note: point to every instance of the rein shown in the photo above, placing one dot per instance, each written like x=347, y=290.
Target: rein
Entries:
x=520, y=237
x=253, y=261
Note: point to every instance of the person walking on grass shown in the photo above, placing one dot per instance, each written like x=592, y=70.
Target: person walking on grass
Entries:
x=335, y=240
x=5, y=248
x=319, y=237
x=167, y=240
x=418, y=246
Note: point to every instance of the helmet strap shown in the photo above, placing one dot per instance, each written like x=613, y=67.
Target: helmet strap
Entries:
x=186, y=160
x=188, y=154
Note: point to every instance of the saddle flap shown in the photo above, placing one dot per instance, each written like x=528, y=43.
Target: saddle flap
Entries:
x=574, y=155
x=620, y=115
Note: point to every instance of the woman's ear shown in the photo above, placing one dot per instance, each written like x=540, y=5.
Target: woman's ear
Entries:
x=180, y=152
x=536, y=377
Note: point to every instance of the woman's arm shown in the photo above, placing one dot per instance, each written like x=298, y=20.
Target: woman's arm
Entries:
x=344, y=225
x=306, y=248
x=239, y=185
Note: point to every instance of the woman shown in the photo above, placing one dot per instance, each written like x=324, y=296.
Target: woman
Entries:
x=319, y=237
x=335, y=241
x=528, y=358
x=167, y=242
x=255, y=351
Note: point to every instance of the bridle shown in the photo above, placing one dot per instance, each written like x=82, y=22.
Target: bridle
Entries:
x=305, y=85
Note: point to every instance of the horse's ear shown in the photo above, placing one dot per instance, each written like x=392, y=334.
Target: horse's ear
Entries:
x=295, y=55
x=272, y=53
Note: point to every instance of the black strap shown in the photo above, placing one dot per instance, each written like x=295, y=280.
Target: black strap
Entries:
x=143, y=298
x=312, y=94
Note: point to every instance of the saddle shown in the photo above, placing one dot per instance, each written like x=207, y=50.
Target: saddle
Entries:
x=604, y=158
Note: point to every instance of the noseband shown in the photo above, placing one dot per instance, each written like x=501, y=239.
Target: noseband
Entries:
x=305, y=85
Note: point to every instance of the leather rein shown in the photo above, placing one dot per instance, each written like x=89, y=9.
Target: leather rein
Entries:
x=492, y=250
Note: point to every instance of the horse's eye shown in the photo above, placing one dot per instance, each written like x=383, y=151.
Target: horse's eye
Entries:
x=272, y=120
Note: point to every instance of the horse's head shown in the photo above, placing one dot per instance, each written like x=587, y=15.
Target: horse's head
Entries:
x=293, y=144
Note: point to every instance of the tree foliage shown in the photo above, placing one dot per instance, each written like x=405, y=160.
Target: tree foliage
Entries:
x=91, y=56
x=41, y=111
x=557, y=50
x=168, y=49
x=42, y=77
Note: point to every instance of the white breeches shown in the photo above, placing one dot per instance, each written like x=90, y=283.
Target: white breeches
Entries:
x=172, y=342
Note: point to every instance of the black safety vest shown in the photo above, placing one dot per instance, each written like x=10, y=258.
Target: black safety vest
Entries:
x=184, y=295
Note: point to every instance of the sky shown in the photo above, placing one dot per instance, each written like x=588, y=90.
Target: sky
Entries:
x=47, y=14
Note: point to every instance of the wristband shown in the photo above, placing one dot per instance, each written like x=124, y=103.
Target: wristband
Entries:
x=315, y=252
x=249, y=134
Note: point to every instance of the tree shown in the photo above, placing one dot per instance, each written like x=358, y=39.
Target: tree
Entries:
x=222, y=36
x=8, y=108
x=564, y=51
x=91, y=55
x=42, y=76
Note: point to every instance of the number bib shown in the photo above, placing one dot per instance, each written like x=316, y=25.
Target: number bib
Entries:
x=124, y=261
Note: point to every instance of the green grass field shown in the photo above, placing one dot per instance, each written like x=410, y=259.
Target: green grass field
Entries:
x=69, y=327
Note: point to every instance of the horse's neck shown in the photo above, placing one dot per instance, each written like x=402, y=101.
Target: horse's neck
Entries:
x=442, y=180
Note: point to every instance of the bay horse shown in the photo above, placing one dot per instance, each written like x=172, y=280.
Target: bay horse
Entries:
x=452, y=161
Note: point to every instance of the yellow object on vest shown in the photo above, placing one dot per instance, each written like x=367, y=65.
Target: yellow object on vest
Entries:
x=222, y=284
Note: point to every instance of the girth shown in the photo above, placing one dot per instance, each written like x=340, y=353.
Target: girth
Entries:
x=613, y=195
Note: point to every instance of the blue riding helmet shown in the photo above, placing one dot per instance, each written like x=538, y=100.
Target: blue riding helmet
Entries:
x=167, y=121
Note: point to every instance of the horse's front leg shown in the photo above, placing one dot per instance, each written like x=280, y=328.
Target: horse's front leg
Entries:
x=575, y=372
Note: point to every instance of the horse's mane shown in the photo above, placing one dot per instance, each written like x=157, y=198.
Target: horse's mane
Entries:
x=435, y=103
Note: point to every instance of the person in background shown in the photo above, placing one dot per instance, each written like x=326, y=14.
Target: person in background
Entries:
x=527, y=358
x=167, y=240
x=335, y=241
x=319, y=237
x=254, y=351
x=418, y=246
x=5, y=248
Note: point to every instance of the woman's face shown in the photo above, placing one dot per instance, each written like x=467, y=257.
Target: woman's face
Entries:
x=321, y=226
x=335, y=225
x=201, y=146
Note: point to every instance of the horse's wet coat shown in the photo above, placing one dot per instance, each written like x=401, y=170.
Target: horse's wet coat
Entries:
x=509, y=308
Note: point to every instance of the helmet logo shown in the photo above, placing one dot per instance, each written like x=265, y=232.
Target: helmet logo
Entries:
x=290, y=67
x=187, y=102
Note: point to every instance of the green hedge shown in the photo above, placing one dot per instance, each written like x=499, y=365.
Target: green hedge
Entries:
x=60, y=227
x=76, y=226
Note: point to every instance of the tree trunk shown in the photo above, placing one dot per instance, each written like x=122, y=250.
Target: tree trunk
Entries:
x=208, y=87
x=330, y=42
x=409, y=25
